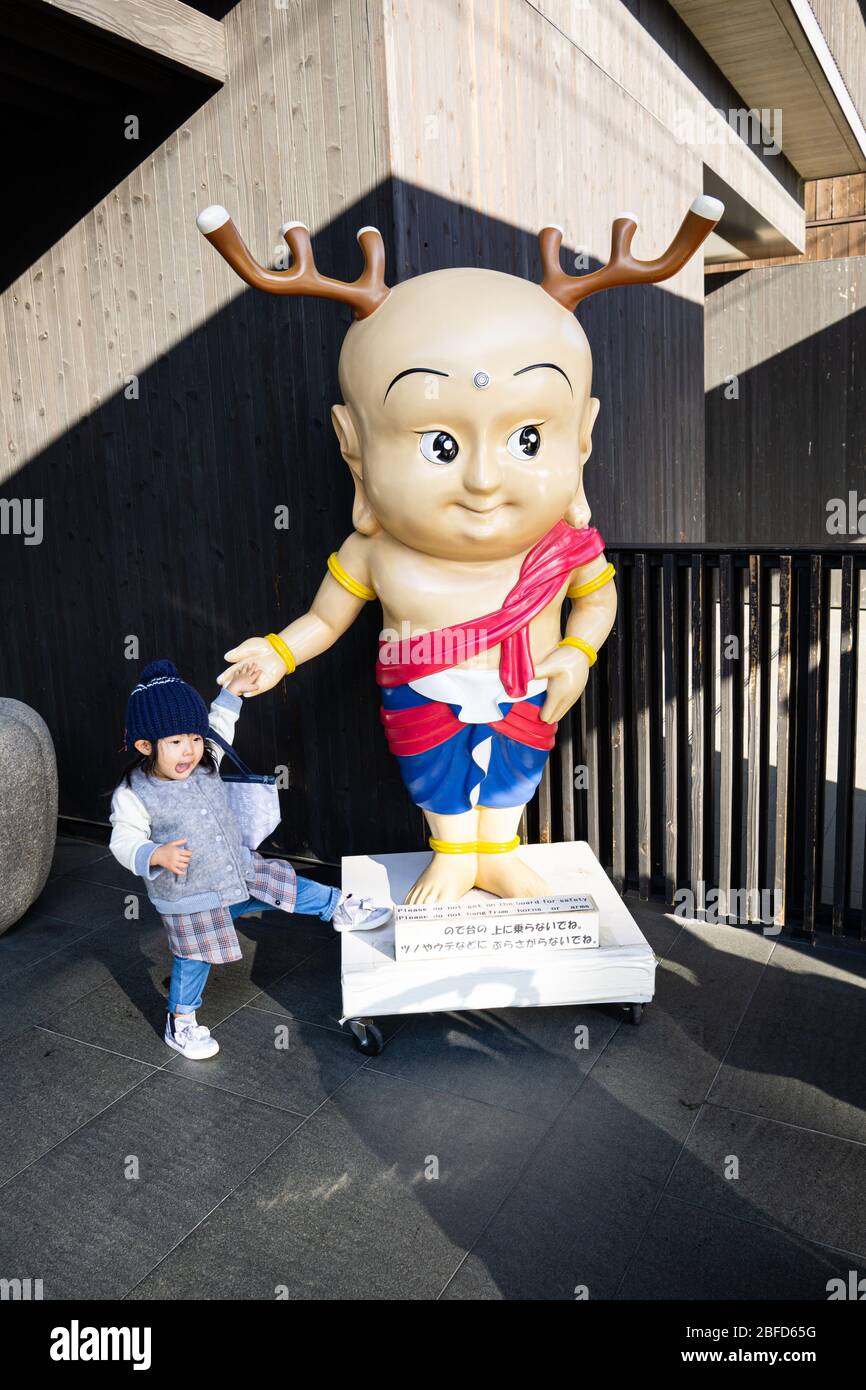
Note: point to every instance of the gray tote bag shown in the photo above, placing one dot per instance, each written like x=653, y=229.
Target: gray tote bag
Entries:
x=252, y=797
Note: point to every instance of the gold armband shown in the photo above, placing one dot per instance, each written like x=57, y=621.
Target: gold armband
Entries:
x=581, y=590
x=589, y=652
x=282, y=650
x=342, y=577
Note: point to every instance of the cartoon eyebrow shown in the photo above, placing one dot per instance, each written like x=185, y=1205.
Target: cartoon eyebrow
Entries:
x=408, y=372
x=545, y=364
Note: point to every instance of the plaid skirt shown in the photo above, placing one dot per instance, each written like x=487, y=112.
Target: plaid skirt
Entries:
x=210, y=935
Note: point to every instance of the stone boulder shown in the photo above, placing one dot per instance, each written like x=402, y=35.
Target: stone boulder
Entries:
x=28, y=808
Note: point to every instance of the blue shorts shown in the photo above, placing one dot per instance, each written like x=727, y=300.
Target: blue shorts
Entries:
x=443, y=779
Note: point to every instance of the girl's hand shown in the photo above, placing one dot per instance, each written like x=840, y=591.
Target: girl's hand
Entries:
x=567, y=670
x=245, y=678
x=259, y=651
x=171, y=856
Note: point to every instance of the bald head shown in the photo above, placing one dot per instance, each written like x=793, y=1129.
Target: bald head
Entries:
x=467, y=413
x=459, y=321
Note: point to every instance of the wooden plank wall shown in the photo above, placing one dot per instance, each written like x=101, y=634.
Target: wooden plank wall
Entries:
x=835, y=225
x=518, y=124
x=795, y=434
x=842, y=24
x=159, y=511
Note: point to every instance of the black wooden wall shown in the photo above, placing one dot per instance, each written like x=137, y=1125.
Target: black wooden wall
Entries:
x=794, y=436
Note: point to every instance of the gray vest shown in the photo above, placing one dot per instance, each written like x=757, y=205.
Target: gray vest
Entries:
x=195, y=809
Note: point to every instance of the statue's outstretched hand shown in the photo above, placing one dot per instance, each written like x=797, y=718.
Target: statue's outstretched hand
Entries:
x=259, y=650
x=567, y=670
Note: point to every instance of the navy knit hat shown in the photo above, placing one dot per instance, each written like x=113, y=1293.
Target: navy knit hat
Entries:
x=162, y=706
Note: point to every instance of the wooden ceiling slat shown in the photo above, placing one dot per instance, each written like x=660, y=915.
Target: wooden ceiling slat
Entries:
x=762, y=50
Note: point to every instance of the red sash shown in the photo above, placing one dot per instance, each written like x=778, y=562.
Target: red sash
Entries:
x=544, y=568
x=422, y=727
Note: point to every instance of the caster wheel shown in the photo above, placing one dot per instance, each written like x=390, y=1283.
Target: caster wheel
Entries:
x=367, y=1037
x=634, y=1013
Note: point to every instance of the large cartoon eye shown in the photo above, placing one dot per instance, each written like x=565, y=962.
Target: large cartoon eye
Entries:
x=524, y=443
x=439, y=447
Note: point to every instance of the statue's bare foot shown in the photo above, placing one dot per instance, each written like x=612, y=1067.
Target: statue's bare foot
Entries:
x=446, y=878
x=508, y=877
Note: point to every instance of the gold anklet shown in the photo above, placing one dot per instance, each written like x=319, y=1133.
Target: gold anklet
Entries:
x=473, y=846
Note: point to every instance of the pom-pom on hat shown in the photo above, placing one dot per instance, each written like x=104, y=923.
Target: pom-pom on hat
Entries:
x=162, y=706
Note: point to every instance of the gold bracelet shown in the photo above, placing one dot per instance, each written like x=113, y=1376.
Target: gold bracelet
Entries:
x=581, y=590
x=282, y=650
x=342, y=576
x=589, y=652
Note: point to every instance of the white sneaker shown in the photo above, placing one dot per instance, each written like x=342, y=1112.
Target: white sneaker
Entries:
x=190, y=1039
x=360, y=914
x=193, y=1019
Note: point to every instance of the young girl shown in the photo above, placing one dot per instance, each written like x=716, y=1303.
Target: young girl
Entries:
x=173, y=826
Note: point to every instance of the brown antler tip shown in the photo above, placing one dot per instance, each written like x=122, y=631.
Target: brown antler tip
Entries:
x=211, y=219
x=626, y=217
x=361, y=230
x=287, y=227
x=705, y=206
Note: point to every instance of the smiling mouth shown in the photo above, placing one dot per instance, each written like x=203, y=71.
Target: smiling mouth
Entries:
x=482, y=511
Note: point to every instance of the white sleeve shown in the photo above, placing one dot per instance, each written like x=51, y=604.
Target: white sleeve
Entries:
x=130, y=842
x=223, y=715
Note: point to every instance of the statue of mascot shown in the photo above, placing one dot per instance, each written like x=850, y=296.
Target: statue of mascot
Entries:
x=466, y=424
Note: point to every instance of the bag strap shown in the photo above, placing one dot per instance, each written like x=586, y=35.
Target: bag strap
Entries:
x=227, y=749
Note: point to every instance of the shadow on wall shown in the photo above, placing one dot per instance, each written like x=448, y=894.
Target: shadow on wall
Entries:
x=159, y=520
x=794, y=436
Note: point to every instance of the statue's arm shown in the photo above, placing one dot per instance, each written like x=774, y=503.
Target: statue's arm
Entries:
x=333, y=610
x=592, y=614
x=589, y=622
x=334, y=607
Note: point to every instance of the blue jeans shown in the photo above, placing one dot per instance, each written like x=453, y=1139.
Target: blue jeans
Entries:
x=186, y=984
x=188, y=976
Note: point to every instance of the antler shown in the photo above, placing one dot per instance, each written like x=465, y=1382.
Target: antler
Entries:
x=364, y=294
x=622, y=267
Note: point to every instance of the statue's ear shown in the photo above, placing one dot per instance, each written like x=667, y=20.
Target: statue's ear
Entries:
x=364, y=518
x=578, y=513
x=586, y=424
x=347, y=435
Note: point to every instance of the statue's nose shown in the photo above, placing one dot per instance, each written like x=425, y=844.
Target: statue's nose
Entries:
x=481, y=472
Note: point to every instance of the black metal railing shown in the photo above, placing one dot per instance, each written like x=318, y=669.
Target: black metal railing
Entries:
x=712, y=760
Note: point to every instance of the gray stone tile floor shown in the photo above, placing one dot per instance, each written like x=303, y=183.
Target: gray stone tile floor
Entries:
x=716, y=1151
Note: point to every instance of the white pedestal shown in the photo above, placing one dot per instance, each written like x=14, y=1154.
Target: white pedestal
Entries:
x=621, y=970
